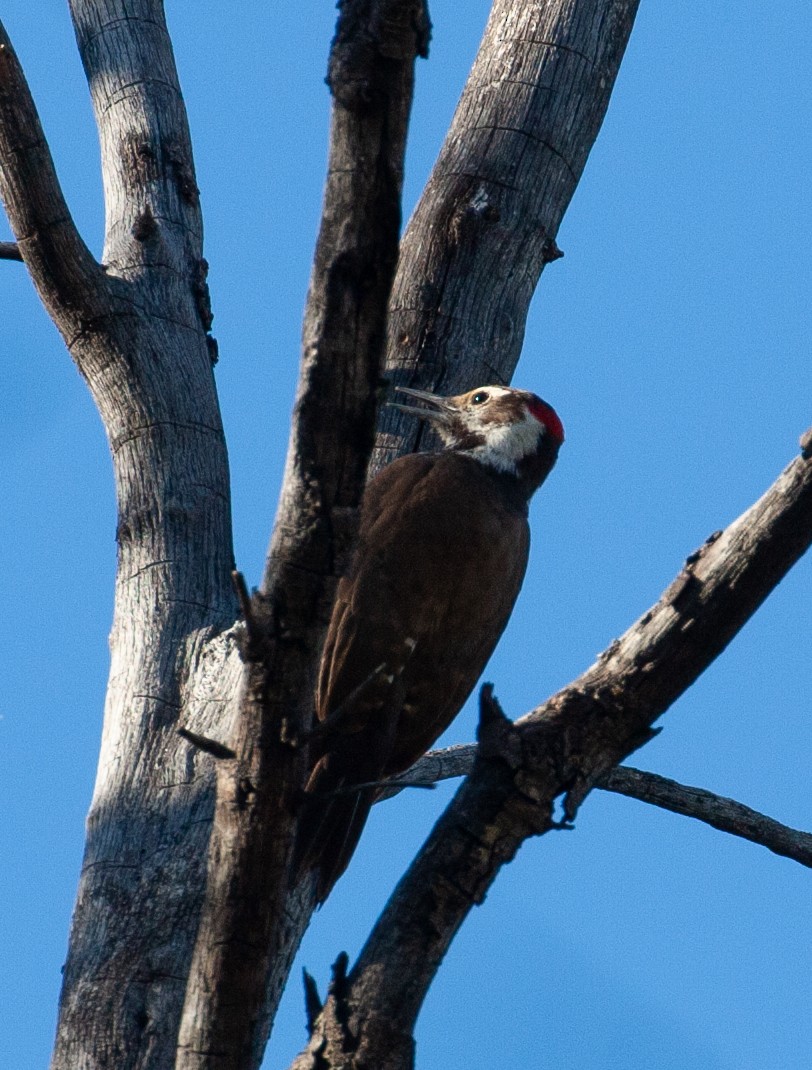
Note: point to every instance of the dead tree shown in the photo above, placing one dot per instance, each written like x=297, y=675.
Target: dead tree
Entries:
x=186, y=921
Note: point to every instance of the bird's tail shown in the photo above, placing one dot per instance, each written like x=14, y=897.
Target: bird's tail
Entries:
x=333, y=819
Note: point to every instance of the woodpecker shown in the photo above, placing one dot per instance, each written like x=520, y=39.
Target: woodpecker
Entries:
x=440, y=557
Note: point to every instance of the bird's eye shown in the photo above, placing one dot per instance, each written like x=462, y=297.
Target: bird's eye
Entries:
x=479, y=397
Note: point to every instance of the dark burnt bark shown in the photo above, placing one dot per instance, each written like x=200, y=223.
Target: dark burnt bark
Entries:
x=251, y=924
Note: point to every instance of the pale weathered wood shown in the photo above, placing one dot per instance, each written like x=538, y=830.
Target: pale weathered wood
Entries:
x=137, y=329
x=313, y=517
x=486, y=224
x=721, y=813
x=564, y=747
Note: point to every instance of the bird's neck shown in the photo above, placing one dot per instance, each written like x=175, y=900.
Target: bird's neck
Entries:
x=525, y=473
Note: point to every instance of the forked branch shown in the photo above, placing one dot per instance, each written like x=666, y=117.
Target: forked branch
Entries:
x=63, y=269
x=564, y=747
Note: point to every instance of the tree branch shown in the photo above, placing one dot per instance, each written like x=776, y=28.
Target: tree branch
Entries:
x=566, y=746
x=10, y=250
x=249, y=929
x=486, y=224
x=727, y=815
x=724, y=814
x=146, y=360
x=153, y=223
x=66, y=275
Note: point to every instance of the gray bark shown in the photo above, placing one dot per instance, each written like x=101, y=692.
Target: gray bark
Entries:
x=137, y=330
x=486, y=224
x=721, y=813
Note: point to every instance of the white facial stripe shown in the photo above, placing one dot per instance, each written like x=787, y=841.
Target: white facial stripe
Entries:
x=506, y=444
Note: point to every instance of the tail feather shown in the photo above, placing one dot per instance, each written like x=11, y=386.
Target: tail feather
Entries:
x=345, y=779
x=330, y=826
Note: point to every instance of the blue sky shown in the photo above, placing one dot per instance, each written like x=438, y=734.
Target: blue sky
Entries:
x=673, y=340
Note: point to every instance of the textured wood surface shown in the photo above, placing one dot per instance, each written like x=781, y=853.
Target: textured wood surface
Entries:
x=486, y=224
x=251, y=925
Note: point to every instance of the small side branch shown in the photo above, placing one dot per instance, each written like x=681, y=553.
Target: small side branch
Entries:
x=207, y=745
x=724, y=814
x=727, y=815
x=10, y=250
x=62, y=267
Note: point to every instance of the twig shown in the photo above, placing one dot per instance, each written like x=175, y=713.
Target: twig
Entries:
x=210, y=746
x=403, y=783
x=724, y=814
x=10, y=250
x=433, y=767
x=252, y=646
x=243, y=597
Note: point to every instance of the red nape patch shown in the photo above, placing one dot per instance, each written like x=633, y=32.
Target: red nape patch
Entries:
x=547, y=415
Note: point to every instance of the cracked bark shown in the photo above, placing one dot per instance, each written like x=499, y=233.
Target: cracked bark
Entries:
x=135, y=331
x=139, y=331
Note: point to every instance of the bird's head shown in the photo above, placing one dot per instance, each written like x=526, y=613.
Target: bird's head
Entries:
x=509, y=430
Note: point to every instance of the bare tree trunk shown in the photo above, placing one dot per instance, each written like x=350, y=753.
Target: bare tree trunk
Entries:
x=137, y=330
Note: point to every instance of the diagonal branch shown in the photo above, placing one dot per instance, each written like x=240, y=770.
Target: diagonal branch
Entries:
x=249, y=928
x=564, y=747
x=727, y=815
x=64, y=271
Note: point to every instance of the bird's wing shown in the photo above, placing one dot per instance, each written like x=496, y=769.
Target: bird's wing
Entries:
x=367, y=629
x=440, y=560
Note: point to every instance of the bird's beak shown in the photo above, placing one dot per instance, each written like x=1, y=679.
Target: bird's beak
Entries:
x=439, y=409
